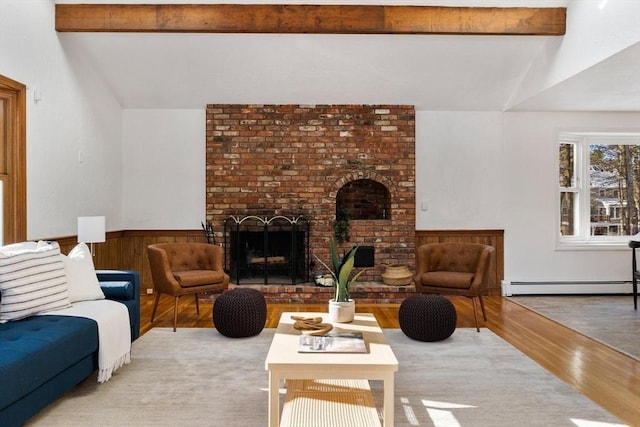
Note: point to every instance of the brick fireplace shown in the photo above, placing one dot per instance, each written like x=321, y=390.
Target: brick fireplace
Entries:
x=291, y=160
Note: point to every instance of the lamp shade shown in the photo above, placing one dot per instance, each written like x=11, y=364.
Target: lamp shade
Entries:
x=91, y=229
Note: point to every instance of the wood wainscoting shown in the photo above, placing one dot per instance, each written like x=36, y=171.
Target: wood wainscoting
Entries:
x=127, y=250
x=493, y=238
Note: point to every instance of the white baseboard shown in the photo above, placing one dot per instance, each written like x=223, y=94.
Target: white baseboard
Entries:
x=565, y=288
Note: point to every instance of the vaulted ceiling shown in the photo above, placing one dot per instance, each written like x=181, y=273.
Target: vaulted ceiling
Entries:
x=430, y=71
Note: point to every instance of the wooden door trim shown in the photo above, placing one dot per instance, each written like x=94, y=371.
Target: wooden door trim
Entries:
x=15, y=195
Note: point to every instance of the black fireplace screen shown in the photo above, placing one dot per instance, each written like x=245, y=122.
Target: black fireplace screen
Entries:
x=272, y=250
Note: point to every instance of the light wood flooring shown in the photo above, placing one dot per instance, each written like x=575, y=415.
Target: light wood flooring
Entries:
x=609, y=378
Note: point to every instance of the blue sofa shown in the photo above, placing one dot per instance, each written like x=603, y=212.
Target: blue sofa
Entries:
x=43, y=357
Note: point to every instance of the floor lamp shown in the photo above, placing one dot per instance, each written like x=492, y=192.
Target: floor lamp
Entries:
x=91, y=230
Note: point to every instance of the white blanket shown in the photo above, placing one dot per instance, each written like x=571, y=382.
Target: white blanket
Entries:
x=114, y=332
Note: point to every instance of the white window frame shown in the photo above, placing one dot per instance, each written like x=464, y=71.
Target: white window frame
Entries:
x=582, y=240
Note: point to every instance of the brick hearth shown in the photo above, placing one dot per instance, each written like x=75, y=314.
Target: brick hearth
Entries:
x=364, y=292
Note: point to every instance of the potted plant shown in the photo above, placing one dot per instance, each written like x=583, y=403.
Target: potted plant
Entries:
x=341, y=307
x=341, y=226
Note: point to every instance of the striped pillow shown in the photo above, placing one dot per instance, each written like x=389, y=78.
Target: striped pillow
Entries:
x=32, y=281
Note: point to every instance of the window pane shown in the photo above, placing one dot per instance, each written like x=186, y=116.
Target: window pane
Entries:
x=568, y=204
x=613, y=177
x=567, y=165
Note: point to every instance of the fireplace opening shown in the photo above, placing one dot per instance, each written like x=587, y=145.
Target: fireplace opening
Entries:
x=267, y=250
x=364, y=199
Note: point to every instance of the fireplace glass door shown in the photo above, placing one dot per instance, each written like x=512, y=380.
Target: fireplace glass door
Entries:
x=270, y=250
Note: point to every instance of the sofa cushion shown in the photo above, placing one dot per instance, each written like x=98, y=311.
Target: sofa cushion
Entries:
x=81, y=275
x=32, y=281
x=447, y=279
x=40, y=347
x=198, y=277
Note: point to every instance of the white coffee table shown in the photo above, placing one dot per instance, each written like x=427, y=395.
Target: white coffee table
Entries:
x=284, y=362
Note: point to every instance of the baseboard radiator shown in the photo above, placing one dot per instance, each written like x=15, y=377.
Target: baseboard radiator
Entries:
x=566, y=288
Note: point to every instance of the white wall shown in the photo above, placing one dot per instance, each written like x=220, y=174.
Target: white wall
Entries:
x=492, y=170
x=459, y=170
x=596, y=30
x=164, y=169
x=531, y=200
x=74, y=131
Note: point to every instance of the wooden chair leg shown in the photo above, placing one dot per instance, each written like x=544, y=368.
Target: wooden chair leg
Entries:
x=475, y=313
x=635, y=274
x=175, y=313
x=155, y=306
x=197, y=305
x=484, y=314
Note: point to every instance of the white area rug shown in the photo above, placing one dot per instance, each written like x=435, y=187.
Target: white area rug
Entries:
x=197, y=377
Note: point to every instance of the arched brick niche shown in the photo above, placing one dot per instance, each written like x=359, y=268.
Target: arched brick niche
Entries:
x=364, y=199
x=295, y=159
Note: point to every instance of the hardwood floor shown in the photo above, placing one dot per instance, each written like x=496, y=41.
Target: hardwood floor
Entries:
x=609, y=378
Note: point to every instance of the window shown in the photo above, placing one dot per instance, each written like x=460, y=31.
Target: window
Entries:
x=599, y=177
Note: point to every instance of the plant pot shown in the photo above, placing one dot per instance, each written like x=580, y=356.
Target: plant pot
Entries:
x=397, y=275
x=342, y=312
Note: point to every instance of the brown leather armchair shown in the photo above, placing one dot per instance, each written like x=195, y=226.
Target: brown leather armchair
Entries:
x=464, y=269
x=185, y=268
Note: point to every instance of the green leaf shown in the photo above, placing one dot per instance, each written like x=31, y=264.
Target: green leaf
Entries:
x=356, y=276
x=334, y=257
x=345, y=271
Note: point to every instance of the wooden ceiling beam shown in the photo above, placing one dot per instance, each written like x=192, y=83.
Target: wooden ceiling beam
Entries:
x=309, y=19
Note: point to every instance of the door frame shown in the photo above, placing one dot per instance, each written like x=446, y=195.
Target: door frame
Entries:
x=14, y=170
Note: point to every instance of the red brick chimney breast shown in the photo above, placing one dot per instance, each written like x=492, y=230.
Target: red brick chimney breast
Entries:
x=293, y=160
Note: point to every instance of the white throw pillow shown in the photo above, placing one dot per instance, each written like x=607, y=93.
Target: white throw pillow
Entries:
x=32, y=280
x=81, y=275
x=18, y=248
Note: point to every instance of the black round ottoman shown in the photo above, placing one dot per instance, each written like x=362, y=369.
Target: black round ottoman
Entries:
x=240, y=313
x=427, y=317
